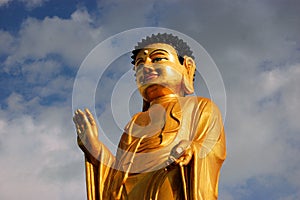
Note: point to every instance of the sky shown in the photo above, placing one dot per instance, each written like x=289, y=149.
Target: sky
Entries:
x=44, y=44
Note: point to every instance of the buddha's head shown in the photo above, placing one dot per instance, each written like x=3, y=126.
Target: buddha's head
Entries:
x=163, y=65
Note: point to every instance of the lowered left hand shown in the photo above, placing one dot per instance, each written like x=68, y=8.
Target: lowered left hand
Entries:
x=182, y=153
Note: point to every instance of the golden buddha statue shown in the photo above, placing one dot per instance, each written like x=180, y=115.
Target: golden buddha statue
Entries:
x=173, y=149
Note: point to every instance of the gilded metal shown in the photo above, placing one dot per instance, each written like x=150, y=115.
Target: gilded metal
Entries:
x=173, y=150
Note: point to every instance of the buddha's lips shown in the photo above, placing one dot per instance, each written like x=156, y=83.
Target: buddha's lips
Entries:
x=150, y=76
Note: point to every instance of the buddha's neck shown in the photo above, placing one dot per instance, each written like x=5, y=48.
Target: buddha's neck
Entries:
x=156, y=92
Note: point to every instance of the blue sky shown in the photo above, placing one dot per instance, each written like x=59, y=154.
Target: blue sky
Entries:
x=255, y=44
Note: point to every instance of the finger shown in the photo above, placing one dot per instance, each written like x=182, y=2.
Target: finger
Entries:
x=80, y=125
x=79, y=122
x=185, y=160
x=90, y=117
x=77, y=117
x=79, y=133
x=77, y=112
x=74, y=120
x=80, y=114
x=187, y=157
x=83, y=118
x=180, y=160
x=78, y=129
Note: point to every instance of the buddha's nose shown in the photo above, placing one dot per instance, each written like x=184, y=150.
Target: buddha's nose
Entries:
x=147, y=69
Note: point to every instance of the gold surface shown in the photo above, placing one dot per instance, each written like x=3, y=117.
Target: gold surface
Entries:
x=173, y=150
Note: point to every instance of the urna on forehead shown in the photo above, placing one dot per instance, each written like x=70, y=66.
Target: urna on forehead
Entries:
x=178, y=44
x=156, y=47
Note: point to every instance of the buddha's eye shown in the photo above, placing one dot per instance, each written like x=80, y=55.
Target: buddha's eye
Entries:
x=157, y=59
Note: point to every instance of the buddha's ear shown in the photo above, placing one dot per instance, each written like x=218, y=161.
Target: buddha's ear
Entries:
x=188, y=77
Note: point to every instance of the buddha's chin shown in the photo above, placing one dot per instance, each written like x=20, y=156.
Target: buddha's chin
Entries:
x=147, y=89
x=153, y=91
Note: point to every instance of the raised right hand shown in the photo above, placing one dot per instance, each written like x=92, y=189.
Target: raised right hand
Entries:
x=87, y=132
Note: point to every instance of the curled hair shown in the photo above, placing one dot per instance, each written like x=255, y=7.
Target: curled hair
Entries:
x=178, y=44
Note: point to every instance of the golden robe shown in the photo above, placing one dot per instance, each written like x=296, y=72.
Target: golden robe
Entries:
x=142, y=167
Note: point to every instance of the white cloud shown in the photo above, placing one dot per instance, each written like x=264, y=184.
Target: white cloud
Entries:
x=33, y=3
x=70, y=39
x=57, y=86
x=262, y=127
x=39, y=153
x=262, y=122
x=39, y=72
x=41, y=139
x=6, y=42
x=291, y=197
x=30, y=4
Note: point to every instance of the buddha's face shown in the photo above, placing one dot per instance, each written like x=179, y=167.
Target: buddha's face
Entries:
x=159, y=72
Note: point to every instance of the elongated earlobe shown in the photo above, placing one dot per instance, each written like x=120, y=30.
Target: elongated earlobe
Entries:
x=188, y=77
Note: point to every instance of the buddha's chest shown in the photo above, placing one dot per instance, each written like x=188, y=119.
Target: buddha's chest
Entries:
x=158, y=127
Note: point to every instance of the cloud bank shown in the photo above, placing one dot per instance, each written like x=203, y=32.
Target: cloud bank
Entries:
x=255, y=44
